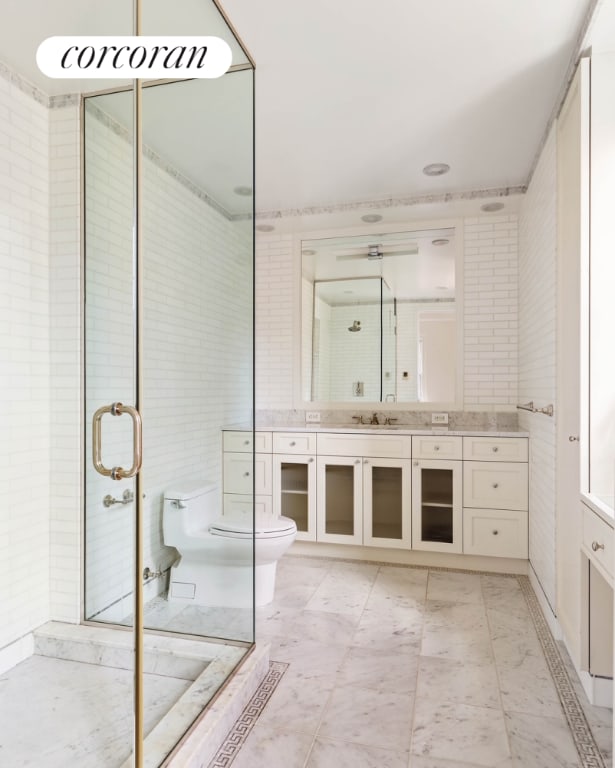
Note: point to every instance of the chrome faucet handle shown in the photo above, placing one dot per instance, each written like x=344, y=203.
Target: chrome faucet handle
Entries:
x=389, y=420
x=358, y=419
x=374, y=419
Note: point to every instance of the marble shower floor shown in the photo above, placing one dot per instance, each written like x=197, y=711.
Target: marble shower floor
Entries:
x=393, y=667
x=58, y=713
x=70, y=704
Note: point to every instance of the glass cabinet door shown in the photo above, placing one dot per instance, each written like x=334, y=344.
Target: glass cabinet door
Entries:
x=339, y=499
x=294, y=492
x=436, y=506
x=387, y=502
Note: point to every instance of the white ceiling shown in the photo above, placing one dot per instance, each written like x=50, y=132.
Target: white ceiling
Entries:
x=354, y=97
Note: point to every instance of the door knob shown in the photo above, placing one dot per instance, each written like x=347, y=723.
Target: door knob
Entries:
x=573, y=438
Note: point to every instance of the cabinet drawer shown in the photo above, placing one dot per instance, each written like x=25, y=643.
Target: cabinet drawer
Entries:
x=297, y=442
x=242, y=508
x=378, y=446
x=241, y=441
x=495, y=533
x=494, y=486
x=436, y=447
x=495, y=449
x=598, y=540
x=241, y=477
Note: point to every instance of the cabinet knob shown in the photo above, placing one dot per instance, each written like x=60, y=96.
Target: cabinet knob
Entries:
x=246, y=474
x=436, y=447
x=246, y=442
x=495, y=485
x=572, y=438
x=495, y=532
x=495, y=449
x=415, y=463
x=365, y=461
x=310, y=460
x=293, y=443
x=357, y=461
x=596, y=546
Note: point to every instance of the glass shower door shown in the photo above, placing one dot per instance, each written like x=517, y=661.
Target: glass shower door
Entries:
x=195, y=373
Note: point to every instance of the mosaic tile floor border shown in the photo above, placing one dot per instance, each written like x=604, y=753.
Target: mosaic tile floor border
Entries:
x=244, y=724
x=589, y=752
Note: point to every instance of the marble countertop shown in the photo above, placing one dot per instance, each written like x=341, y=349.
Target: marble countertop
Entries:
x=385, y=429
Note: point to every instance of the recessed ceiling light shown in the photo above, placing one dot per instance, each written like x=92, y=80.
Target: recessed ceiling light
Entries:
x=371, y=218
x=491, y=207
x=264, y=227
x=440, y=241
x=308, y=252
x=436, y=169
x=243, y=191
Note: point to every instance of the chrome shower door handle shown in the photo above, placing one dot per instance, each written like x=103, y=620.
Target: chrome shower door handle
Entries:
x=117, y=473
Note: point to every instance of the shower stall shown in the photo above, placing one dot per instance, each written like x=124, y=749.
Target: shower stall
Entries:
x=166, y=346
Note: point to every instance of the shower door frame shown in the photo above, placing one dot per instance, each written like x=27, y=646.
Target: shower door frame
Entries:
x=137, y=628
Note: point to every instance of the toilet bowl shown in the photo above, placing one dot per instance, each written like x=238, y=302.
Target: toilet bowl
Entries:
x=217, y=552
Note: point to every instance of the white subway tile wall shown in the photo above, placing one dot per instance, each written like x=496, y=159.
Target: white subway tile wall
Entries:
x=490, y=315
x=197, y=349
x=537, y=355
x=490, y=311
x=199, y=278
x=24, y=363
x=275, y=297
x=65, y=394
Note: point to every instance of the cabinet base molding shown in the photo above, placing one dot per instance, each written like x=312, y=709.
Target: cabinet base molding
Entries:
x=411, y=557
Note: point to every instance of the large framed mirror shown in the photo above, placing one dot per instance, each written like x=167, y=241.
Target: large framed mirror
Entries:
x=381, y=317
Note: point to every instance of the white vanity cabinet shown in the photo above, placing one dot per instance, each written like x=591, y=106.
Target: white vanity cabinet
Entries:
x=437, y=493
x=246, y=472
x=363, y=484
x=294, y=480
x=495, y=496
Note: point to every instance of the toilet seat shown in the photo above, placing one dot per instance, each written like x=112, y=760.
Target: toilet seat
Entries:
x=283, y=526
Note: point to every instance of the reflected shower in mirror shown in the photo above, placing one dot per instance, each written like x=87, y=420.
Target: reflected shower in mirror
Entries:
x=379, y=317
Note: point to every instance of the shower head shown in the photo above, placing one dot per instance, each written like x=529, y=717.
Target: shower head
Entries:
x=356, y=326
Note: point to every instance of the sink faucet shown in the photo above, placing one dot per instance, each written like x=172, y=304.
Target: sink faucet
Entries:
x=374, y=419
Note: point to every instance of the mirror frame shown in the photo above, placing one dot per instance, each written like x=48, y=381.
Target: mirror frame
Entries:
x=298, y=402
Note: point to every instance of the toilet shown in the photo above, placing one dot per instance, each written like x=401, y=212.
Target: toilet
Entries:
x=216, y=552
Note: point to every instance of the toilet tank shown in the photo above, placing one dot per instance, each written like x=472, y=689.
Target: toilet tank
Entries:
x=189, y=510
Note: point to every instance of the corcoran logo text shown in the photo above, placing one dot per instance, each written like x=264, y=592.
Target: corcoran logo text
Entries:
x=124, y=57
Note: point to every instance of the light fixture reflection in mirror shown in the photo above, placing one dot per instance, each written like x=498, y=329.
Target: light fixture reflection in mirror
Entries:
x=402, y=287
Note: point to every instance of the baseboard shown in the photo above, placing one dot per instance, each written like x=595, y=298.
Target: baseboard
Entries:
x=410, y=557
x=16, y=652
x=545, y=606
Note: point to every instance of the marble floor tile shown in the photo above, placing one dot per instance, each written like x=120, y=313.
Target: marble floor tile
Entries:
x=399, y=585
x=434, y=762
x=458, y=682
x=342, y=754
x=273, y=747
x=371, y=718
x=322, y=627
x=526, y=686
x=309, y=658
x=298, y=702
x=454, y=587
x=503, y=591
x=540, y=742
x=383, y=671
x=396, y=629
x=456, y=631
x=344, y=589
x=459, y=732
